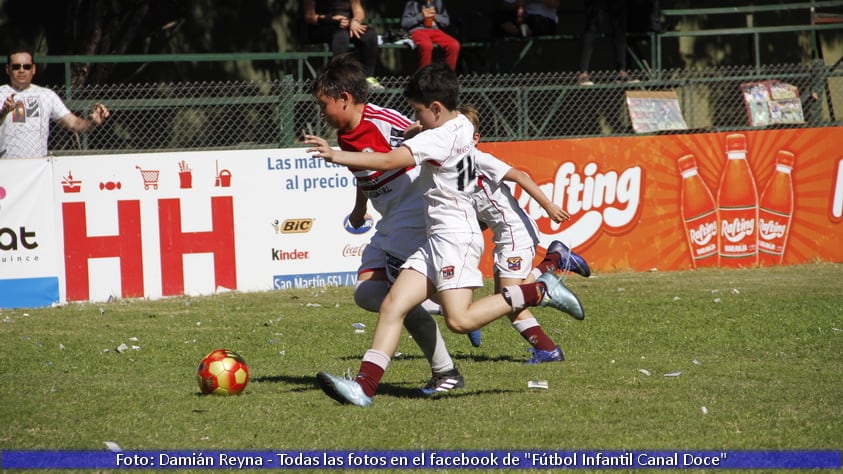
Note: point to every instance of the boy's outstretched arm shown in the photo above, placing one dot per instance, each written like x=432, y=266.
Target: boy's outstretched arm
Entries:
x=396, y=158
x=527, y=184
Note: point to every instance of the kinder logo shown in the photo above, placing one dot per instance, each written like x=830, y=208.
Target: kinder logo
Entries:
x=284, y=255
x=738, y=229
x=600, y=200
x=293, y=226
x=703, y=234
x=770, y=229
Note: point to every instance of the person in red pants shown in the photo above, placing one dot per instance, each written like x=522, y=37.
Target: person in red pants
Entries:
x=424, y=19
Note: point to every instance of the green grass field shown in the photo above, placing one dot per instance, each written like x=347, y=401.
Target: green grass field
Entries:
x=759, y=355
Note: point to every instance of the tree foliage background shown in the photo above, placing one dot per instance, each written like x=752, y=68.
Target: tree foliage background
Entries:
x=111, y=27
x=98, y=27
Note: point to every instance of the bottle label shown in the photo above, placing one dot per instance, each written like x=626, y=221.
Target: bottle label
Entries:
x=702, y=236
x=738, y=237
x=772, y=231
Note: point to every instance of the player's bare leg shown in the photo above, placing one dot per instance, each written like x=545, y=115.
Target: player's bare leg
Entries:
x=372, y=288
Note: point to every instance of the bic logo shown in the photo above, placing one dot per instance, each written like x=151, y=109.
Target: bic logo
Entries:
x=293, y=226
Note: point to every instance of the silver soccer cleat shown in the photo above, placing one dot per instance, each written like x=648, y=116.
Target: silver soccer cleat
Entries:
x=559, y=296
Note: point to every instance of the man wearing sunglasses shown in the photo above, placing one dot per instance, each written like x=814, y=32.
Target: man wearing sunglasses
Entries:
x=27, y=111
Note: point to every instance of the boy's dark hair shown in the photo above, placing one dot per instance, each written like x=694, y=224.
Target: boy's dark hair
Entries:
x=343, y=73
x=435, y=82
x=18, y=50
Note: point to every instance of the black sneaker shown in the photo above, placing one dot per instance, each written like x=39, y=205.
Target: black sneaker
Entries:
x=442, y=383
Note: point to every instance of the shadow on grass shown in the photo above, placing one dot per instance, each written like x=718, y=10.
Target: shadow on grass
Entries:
x=308, y=383
x=456, y=356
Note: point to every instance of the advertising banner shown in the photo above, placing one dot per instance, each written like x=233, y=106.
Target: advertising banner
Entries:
x=29, y=251
x=168, y=224
x=91, y=228
x=676, y=202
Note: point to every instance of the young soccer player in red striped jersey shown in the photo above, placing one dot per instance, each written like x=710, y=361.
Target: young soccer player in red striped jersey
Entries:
x=342, y=93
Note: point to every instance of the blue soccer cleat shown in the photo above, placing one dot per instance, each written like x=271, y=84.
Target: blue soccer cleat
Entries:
x=343, y=390
x=570, y=261
x=475, y=337
x=540, y=356
x=559, y=296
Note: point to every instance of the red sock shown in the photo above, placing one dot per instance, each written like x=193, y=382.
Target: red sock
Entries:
x=533, y=293
x=538, y=339
x=369, y=377
x=550, y=263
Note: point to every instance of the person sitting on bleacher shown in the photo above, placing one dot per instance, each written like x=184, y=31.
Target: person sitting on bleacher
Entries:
x=424, y=19
x=525, y=18
x=339, y=23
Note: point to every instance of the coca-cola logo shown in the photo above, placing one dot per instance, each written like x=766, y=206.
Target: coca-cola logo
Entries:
x=353, y=250
x=737, y=229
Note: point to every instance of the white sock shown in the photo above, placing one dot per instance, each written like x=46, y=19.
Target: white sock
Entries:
x=421, y=325
x=516, y=297
x=377, y=357
x=522, y=325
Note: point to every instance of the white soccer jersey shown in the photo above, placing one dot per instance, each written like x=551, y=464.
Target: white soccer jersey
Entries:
x=26, y=130
x=445, y=155
x=496, y=207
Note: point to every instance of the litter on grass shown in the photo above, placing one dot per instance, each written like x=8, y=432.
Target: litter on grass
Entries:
x=113, y=447
x=645, y=372
x=673, y=374
x=537, y=384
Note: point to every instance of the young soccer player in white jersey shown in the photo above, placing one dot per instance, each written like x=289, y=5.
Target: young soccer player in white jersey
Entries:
x=515, y=236
x=447, y=264
x=342, y=92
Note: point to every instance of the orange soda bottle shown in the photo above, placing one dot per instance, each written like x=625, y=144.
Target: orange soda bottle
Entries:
x=775, y=209
x=699, y=213
x=737, y=205
x=427, y=21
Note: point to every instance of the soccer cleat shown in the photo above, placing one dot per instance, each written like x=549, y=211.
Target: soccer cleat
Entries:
x=475, y=337
x=571, y=261
x=343, y=390
x=540, y=356
x=559, y=296
x=444, y=382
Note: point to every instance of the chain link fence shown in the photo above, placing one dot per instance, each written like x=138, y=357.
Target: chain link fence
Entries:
x=248, y=115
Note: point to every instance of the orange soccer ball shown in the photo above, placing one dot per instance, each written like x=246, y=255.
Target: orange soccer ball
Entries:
x=222, y=372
